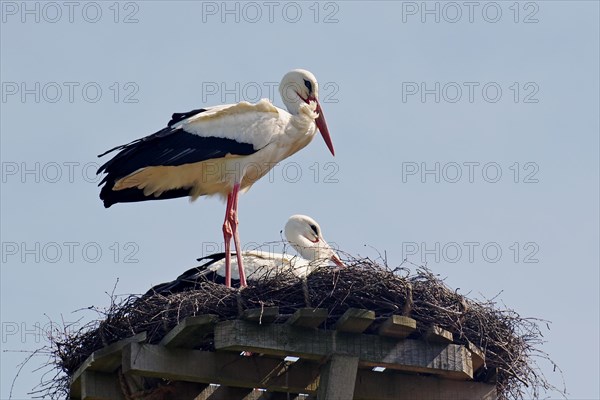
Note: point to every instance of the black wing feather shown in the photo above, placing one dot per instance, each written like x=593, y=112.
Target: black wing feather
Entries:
x=178, y=117
x=167, y=147
x=191, y=278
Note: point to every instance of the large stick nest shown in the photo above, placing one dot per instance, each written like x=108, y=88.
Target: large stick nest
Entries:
x=510, y=342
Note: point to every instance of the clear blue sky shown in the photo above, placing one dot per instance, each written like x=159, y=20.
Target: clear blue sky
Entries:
x=466, y=136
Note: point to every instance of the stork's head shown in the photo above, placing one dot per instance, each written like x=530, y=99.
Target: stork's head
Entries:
x=304, y=234
x=300, y=86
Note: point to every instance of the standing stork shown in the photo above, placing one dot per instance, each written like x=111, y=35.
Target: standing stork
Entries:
x=221, y=150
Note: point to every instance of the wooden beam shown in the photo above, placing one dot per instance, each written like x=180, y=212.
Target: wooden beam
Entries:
x=338, y=376
x=107, y=359
x=222, y=368
x=100, y=386
x=477, y=355
x=261, y=394
x=206, y=392
x=157, y=390
x=300, y=377
x=225, y=393
x=281, y=396
x=438, y=335
x=398, y=326
x=185, y=390
x=355, y=320
x=190, y=332
x=389, y=385
x=308, y=317
x=448, y=360
x=261, y=315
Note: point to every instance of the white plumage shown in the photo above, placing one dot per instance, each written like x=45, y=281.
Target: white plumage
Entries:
x=302, y=232
x=220, y=150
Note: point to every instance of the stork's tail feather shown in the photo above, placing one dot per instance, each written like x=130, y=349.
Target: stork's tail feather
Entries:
x=191, y=278
x=131, y=195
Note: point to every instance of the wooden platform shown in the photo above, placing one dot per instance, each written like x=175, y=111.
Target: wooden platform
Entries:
x=256, y=358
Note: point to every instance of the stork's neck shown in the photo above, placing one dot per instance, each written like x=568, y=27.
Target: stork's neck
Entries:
x=296, y=104
x=300, y=130
x=307, y=249
x=291, y=98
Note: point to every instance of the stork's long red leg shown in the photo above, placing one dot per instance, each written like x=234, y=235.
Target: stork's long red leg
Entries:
x=227, y=234
x=236, y=238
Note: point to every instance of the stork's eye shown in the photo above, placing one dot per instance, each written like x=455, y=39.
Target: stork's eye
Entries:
x=315, y=229
x=308, y=85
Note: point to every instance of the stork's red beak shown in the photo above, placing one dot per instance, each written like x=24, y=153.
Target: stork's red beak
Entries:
x=322, y=125
x=337, y=261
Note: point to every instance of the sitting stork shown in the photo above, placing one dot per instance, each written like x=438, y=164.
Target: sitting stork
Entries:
x=301, y=231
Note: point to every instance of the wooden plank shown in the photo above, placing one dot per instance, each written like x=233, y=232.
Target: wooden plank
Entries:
x=158, y=390
x=261, y=394
x=438, y=335
x=390, y=385
x=100, y=386
x=205, y=394
x=280, y=396
x=398, y=326
x=477, y=356
x=284, y=396
x=300, y=377
x=226, y=393
x=448, y=360
x=308, y=317
x=185, y=390
x=218, y=367
x=338, y=376
x=261, y=315
x=106, y=359
x=355, y=320
x=190, y=332
x=256, y=394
